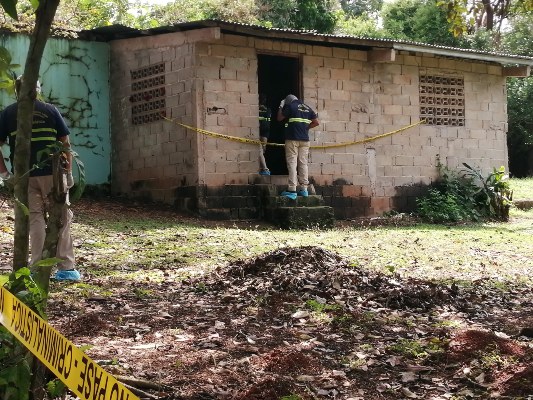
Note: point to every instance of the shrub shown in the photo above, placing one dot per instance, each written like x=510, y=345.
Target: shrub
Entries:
x=437, y=207
x=466, y=196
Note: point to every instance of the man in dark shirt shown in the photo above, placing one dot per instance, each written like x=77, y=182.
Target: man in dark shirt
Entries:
x=48, y=128
x=264, y=132
x=299, y=118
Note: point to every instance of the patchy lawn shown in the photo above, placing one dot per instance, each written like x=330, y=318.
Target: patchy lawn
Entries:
x=188, y=309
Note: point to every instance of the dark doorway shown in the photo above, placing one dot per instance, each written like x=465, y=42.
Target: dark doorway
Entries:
x=278, y=77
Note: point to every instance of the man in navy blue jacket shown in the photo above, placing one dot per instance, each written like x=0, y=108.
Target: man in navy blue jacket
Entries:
x=299, y=118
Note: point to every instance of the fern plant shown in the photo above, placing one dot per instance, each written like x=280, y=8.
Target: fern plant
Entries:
x=494, y=195
x=466, y=196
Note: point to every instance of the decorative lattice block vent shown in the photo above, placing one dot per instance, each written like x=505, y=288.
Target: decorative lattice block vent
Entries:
x=148, y=95
x=442, y=99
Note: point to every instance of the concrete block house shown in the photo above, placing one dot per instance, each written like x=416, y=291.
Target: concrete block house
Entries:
x=208, y=75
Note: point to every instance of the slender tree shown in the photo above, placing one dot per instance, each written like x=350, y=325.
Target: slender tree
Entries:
x=44, y=15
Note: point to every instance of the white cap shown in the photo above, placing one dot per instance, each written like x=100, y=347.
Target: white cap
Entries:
x=290, y=98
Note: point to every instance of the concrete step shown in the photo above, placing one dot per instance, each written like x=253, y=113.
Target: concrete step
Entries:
x=278, y=180
x=282, y=201
x=523, y=204
x=301, y=217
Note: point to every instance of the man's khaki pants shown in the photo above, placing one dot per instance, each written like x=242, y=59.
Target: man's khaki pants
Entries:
x=297, y=155
x=38, y=189
x=262, y=148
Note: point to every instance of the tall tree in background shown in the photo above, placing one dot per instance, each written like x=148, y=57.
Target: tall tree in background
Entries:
x=469, y=16
x=87, y=14
x=314, y=15
x=243, y=11
x=357, y=8
x=520, y=133
x=360, y=18
x=417, y=20
x=520, y=99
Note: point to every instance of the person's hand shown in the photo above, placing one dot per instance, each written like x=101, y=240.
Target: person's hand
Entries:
x=70, y=180
x=6, y=175
x=282, y=104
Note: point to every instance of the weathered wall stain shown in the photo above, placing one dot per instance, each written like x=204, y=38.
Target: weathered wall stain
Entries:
x=75, y=78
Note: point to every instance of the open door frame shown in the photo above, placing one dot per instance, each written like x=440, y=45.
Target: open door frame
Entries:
x=278, y=76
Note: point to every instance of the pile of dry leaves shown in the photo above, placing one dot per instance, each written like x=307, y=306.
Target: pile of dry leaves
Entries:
x=302, y=323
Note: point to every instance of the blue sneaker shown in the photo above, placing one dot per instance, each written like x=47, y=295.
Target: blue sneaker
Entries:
x=303, y=193
x=67, y=275
x=264, y=172
x=290, y=195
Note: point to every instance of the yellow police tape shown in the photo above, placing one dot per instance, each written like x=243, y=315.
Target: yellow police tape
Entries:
x=78, y=372
x=324, y=146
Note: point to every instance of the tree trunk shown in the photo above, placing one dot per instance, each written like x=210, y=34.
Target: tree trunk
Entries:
x=489, y=15
x=43, y=22
x=530, y=162
x=44, y=17
x=57, y=202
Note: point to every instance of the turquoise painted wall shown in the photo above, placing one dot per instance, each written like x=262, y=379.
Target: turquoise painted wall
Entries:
x=74, y=77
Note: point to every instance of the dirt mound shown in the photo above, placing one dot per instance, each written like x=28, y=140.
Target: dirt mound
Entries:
x=313, y=272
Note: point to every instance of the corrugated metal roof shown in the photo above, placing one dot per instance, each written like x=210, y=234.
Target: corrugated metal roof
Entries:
x=114, y=32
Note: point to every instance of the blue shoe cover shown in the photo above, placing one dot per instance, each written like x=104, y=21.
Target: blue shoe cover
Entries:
x=303, y=193
x=67, y=275
x=264, y=172
x=290, y=195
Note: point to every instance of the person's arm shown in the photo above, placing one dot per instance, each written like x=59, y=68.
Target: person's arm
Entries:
x=3, y=168
x=314, y=122
x=66, y=143
x=63, y=135
x=280, y=117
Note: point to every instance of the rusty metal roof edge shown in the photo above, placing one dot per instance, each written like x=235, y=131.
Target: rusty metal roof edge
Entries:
x=397, y=44
x=500, y=58
x=312, y=37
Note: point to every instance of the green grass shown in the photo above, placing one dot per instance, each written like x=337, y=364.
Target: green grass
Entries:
x=522, y=188
x=159, y=249
x=138, y=247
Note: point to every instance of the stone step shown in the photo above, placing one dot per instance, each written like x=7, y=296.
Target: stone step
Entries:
x=301, y=217
x=278, y=180
x=300, y=201
x=225, y=214
x=523, y=204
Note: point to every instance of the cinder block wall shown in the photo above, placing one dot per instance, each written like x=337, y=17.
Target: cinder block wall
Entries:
x=151, y=160
x=213, y=84
x=227, y=69
x=356, y=99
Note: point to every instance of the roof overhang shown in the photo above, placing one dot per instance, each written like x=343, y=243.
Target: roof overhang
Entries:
x=464, y=53
x=115, y=32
